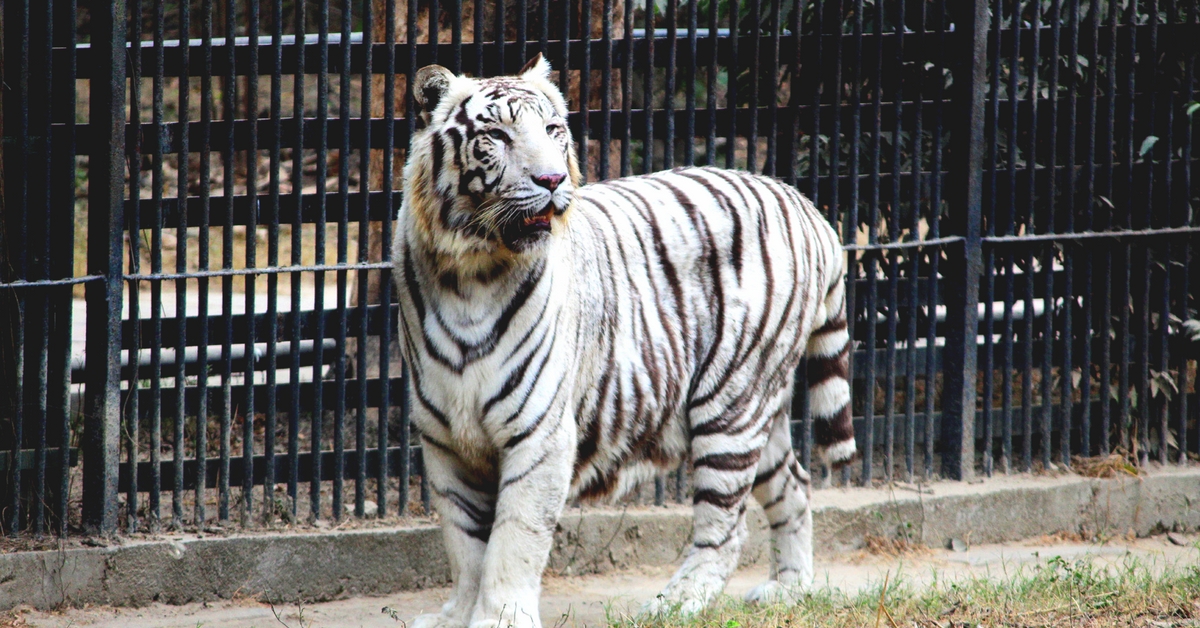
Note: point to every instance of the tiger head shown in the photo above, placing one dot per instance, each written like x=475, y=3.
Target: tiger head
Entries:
x=492, y=168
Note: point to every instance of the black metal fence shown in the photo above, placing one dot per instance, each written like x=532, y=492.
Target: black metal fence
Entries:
x=197, y=197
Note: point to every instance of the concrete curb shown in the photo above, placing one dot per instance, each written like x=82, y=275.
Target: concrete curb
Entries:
x=319, y=566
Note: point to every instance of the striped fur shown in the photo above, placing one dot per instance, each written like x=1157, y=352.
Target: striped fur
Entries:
x=568, y=341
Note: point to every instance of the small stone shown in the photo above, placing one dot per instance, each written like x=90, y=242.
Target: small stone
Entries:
x=1177, y=539
x=957, y=545
x=370, y=508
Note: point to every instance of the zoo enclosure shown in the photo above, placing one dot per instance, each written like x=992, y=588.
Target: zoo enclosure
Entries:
x=1014, y=182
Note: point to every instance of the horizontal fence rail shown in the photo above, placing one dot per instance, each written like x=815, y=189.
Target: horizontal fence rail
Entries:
x=198, y=197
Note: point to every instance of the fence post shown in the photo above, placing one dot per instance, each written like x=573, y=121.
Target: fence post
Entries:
x=105, y=233
x=965, y=196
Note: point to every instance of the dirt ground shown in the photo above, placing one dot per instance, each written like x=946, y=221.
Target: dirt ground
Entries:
x=588, y=600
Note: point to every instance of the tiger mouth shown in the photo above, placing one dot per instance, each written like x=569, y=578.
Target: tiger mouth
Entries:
x=540, y=220
x=522, y=231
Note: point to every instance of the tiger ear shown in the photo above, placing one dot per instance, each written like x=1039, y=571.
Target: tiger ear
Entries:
x=430, y=85
x=536, y=67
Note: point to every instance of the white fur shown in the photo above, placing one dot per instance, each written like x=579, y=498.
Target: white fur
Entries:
x=840, y=452
x=828, y=344
x=827, y=398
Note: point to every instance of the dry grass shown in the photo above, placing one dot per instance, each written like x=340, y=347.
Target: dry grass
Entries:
x=1056, y=593
x=1116, y=464
x=892, y=547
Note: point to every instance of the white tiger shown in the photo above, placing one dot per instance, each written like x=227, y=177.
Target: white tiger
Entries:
x=568, y=341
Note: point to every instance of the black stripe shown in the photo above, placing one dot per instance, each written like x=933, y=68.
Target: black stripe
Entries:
x=822, y=368
x=530, y=429
x=729, y=461
x=426, y=403
x=515, y=377
x=521, y=476
x=721, y=500
x=520, y=297
x=726, y=204
x=766, y=476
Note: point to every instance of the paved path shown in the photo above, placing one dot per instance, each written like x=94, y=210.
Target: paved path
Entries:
x=587, y=600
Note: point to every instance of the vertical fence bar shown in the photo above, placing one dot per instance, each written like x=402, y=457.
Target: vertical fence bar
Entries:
x=1046, y=415
x=1184, y=218
x=962, y=279
x=362, y=278
x=156, y=266
x=689, y=148
x=940, y=67
x=992, y=131
x=252, y=215
x=272, y=333
x=1144, y=208
x=295, y=278
x=1007, y=259
x=61, y=336
x=203, y=349
x=914, y=273
x=318, y=371
x=850, y=233
x=1126, y=153
x=410, y=116
x=16, y=206
x=1069, y=196
x=669, y=89
x=710, y=87
x=41, y=120
x=648, y=89
x=134, y=140
x=585, y=86
x=791, y=140
x=102, y=400
x=1107, y=172
x=1088, y=223
x=179, y=443
x=385, y=280
x=385, y=283
x=605, y=87
x=1030, y=172
x=228, y=176
x=771, y=166
x=731, y=75
x=752, y=130
x=342, y=278
x=626, y=90
x=894, y=217
x=875, y=261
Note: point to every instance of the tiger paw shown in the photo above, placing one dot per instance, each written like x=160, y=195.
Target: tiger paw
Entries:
x=662, y=607
x=774, y=592
x=435, y=620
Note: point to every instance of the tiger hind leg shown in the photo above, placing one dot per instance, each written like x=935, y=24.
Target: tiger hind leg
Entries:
x=782, y=487
x=724, y=466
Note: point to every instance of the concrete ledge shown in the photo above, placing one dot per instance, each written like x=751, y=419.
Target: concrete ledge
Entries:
x=328, y=565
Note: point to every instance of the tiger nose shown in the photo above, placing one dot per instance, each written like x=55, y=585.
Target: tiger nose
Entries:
x=549, y=181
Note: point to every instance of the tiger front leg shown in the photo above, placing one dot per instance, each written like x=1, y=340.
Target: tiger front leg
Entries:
x=535, y=476
x=466, y=511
